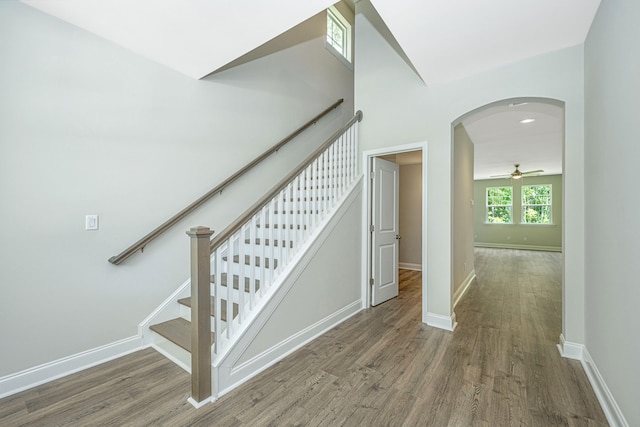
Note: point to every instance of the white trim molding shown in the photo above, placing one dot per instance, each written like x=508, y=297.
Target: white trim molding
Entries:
x=609, y=406
x=366, y=218
x=464, y=287
x=522, y=247
x=608, y=403
x=410, y=266
x=448, y=323
x=234, y=376
x=570, y=350
x=24, y=380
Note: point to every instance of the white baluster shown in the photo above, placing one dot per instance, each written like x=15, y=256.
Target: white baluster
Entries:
x=218, y=297
x=241, y=279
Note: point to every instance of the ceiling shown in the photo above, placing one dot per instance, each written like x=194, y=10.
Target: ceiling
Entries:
x=442, y=40
x=501, y=140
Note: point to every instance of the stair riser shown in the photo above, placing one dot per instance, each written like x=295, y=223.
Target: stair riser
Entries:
x=235, y=269
x=262, y=251
x=185, y=313
x=279, y=230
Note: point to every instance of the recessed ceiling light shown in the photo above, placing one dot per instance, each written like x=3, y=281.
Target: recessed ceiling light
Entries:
x=525, y=121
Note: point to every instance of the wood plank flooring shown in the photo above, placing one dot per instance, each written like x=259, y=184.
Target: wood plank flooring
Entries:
x=382, y=367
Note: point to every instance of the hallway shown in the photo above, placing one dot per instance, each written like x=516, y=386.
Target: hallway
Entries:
x=382, y=367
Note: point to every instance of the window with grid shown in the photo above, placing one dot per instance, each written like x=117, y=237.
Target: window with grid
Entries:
x=499, y=205
x=536, y=204
x=339, y=33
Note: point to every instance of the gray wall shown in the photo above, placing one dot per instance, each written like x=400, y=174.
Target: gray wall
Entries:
x=517, y=235
x=87, y=127
x=329, y=283
x=410, y=216
x=400, y=109
x=612, y=151
x=463, y=258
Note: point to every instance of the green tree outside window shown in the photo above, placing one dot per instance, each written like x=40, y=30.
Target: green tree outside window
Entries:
x=499, y=205
x=536, y=204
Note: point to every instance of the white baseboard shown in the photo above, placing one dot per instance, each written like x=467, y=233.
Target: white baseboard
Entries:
x=23, y=380
x=463, y=288
x=522, y=247
x=609, y=406
x=448, y=323
x=608, y=403
x=410, y=266
x=570, y=350
x=245, y=371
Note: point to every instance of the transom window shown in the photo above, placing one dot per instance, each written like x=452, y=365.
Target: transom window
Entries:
x=338, y=33
x=499, y=205
x=536, y=204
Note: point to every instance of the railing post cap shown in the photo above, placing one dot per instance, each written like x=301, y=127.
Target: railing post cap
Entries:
x=200, y=231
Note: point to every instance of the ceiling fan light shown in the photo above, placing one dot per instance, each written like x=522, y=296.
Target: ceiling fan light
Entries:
x=516, y=176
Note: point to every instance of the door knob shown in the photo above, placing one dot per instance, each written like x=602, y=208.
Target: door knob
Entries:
x=398, y=237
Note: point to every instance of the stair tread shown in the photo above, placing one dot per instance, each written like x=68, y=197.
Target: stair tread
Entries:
x=187, y=303
x=178, y=331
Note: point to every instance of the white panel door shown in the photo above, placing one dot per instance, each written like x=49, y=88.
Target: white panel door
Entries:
x=385, y=231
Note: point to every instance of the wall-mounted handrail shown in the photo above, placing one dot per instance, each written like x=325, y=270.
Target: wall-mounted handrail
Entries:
x=225, y=234
x=140, y=244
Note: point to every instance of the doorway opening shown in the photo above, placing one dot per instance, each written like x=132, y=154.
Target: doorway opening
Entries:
x=394, y=224
x=496, y=203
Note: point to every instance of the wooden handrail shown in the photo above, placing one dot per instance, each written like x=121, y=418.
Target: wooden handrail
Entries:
x=140, y=244
x=224, y=235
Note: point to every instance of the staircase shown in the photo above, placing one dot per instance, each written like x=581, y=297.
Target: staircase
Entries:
x=251, y=258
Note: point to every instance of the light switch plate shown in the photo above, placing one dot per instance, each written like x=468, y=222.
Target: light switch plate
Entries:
x=91, y=222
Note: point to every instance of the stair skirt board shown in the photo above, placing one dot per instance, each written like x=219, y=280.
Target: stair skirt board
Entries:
x=232, y=377
x=226, y=362
x=268, y=305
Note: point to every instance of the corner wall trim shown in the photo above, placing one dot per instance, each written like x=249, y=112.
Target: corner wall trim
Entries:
x=448, y=323
x=23, y=380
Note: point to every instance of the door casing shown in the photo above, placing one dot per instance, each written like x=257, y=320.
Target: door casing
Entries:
x=367, y=157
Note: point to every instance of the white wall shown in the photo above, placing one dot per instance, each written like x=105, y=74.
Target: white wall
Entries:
x=400, y=109
x=87, y=127
x=410, y=216
x=463, y=257
x=518, y=235
x=612, y=151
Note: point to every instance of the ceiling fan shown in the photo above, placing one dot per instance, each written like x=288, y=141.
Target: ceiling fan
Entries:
x=517, y=174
